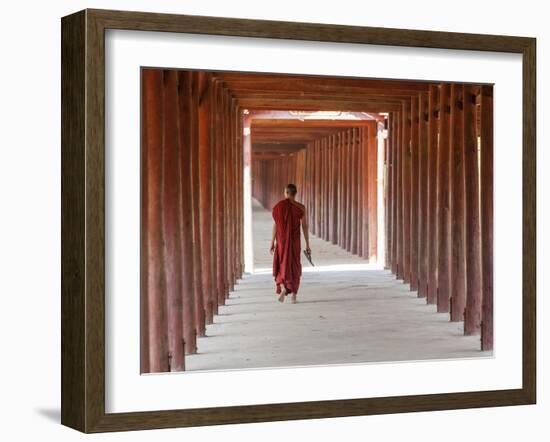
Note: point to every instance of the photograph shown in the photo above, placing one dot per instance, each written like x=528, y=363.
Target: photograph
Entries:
x=293, y=220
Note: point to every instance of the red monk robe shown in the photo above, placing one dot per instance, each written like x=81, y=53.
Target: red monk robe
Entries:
x=287, y=268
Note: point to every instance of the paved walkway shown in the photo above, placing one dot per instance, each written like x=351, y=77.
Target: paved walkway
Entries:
x=347, y=312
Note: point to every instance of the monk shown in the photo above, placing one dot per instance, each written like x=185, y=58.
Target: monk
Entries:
x=288, y=215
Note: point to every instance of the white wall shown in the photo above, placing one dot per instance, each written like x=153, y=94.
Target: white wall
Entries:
x=30, y=217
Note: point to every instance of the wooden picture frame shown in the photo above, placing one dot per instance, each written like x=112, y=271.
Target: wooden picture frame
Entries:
x=83, y=220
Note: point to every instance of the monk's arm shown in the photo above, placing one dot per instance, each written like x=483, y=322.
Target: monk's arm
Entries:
x=274, y=232
x=305, y=228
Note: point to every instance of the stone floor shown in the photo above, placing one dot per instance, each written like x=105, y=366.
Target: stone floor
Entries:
x=347, y=312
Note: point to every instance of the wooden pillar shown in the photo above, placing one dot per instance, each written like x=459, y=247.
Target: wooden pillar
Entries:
x=229, y=193
x=334, y=203
x=341, y=194
x=354, y=193
x=458, y=258
x=324, y=188
x=486, y=195
x=144, y=235
x=317, y=201
x=241, y=166
x=193, y=124
x=372, y=180
x=389, y=192
x=399, y=196
x=414, y=193
x=177, y=227
x=205, y=195
x=393, y=195
x=155, y=342
x=327, y=181
x=171, y=223
x=406, y=185
x=433, y=100
x=185, y=269
x=219, y=173
x=472, y=314
x=349, y=185
x=444, y=226
x=345, y=188
x=423, y=196
x=361, y=251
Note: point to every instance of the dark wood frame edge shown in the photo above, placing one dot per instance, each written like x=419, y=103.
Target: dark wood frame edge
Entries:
x=82, y=220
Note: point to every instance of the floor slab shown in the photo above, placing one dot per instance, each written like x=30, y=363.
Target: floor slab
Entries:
x=347, y=312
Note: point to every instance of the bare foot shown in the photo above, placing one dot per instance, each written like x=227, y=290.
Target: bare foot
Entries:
x=293, y=299
x=282, y=295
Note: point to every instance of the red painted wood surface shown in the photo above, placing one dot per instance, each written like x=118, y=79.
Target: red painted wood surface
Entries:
x=443, y=200
x=155, y=295
x=200, y=322
x=364, y=136
x=472, y=242
x=186, y=213
x=399, y=196
x=456, y=175
x=171, y=223
x=372, y=190
x=486, y=169
x=432, y=191
x=406, y=189
x=414, y=193
x=205, y=197
x=423, y=239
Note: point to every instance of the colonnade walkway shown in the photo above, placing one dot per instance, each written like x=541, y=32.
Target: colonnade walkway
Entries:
x=348, y=311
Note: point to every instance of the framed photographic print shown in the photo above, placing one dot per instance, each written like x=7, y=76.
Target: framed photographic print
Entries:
x=268, y=220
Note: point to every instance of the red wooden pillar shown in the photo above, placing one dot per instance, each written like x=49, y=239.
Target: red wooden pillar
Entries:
x=444, y=226
x=171, y=223
x=154, y=337
x=240, y=147
x=205, y=195
x=472, y=314
x=177, y=225
x=414, y=193
x=372, y=172
x=354, y=180
x=389, y=192
x=349, y=158
x=433, y=100
x=458, y=259
x=230, y=194
x=219, y=171
x=144, y=307
x=406, y=185
x=318, y=192
x=317, y=195
x=365, y=172
x=343, y=182
x=334, y=199
x=193, y=123
x=360, y=194
x=324, y=182
x=423, y=196
x=393, y=195
x=486, y=195
x=399, y=196
x=327, y=180
x=341, y=214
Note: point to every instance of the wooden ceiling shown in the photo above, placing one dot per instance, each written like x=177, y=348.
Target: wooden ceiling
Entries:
x=273, y=135
x=273, y=138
